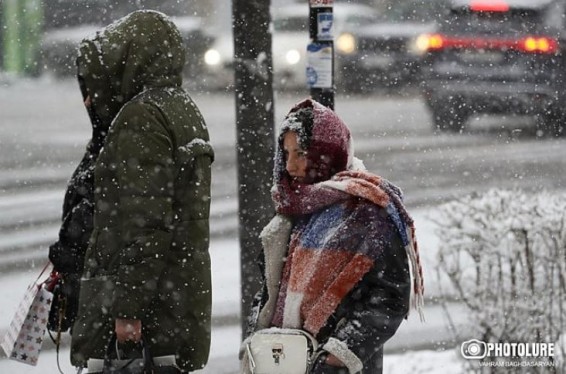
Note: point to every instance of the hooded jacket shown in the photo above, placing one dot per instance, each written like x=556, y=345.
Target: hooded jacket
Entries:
x=344, y=214
x=148, y=253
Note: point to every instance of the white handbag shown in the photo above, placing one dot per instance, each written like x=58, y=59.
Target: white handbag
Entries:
x=281, y=351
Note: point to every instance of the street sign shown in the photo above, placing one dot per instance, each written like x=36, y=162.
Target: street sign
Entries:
x=325, y=22
x=320, y=52
x=319, y=65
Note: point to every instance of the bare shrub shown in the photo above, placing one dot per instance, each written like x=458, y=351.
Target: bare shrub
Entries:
x=505, y=255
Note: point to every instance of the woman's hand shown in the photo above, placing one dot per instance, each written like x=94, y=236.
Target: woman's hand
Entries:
x=128, y=330
x=332, y=360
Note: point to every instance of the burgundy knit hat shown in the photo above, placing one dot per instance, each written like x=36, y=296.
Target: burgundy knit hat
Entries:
x=322, y=134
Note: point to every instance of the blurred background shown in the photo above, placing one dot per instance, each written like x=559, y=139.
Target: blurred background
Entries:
x=39, y=37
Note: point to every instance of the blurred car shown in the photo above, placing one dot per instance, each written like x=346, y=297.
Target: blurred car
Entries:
x=385, y=54
x=289, y=44
x=498, y=57
x=59, y=46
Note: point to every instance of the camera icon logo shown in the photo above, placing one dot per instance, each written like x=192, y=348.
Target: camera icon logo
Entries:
x=474, y=349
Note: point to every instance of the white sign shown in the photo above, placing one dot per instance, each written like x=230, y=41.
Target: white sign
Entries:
x=319, y=65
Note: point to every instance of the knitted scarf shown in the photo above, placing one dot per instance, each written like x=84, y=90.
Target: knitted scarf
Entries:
x=343, y=237
x=317, y=278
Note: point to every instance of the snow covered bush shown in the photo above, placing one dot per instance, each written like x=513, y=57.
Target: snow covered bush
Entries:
x=504, y=252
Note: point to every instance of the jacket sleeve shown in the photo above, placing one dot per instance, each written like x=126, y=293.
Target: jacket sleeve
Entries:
x=145, y=175
x=67, y=254
x=375, y=308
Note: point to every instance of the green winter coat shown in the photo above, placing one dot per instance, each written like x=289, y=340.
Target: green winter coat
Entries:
x=148, y=254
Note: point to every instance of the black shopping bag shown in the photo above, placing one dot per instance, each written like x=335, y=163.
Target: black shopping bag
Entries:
x=145, y=365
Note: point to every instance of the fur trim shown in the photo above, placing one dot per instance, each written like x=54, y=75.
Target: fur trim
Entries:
x=292, y=317
x=357, y=165
x=274, y=238
x=339, y=349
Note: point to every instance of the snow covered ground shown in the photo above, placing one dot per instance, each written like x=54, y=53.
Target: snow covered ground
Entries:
x=440, y=354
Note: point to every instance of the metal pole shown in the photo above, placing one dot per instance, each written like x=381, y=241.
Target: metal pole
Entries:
x=320, y=52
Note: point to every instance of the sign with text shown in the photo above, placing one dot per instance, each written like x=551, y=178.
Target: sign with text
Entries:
x=325, y=21
x=319, y=65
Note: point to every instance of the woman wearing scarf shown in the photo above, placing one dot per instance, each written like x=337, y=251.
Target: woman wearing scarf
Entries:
x=340, y=257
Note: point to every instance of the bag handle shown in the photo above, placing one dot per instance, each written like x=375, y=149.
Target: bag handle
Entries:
x=148, y=366
x=251, y=357
x=47, y=266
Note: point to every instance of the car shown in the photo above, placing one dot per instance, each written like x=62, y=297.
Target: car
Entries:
x=497, y=57
x=384, y=54
x=289, y=44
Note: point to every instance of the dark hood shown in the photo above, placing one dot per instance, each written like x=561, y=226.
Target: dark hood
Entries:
x=142, y=50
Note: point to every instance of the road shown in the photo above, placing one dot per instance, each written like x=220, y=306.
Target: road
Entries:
x=44, y=129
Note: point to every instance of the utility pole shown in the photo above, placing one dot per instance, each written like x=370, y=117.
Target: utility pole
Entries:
x=255, y=135
x=320, y=52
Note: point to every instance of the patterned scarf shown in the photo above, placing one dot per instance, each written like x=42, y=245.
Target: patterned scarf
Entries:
x=327, y=257
x=317, y=278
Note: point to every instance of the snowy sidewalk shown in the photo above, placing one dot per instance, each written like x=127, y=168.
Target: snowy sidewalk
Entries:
x=401, y=355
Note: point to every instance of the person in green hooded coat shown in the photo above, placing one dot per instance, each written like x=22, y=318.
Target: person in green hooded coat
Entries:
x=147, y=266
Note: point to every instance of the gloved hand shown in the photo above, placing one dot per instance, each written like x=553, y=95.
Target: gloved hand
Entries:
x=64, y=309
x=321, y=367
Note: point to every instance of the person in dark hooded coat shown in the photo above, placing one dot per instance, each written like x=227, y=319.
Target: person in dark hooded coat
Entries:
x=142, y=198
x=339, y=254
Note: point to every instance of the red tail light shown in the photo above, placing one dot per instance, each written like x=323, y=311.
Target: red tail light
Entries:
x=489, y=6
x=530, y=44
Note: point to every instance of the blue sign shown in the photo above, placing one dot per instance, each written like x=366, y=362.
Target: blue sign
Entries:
x=312, y=76
x=325, y=22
